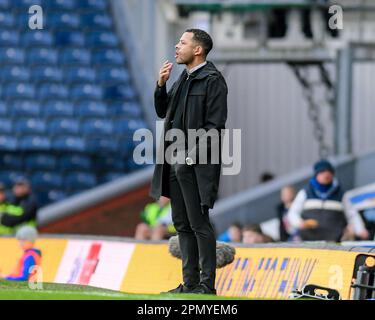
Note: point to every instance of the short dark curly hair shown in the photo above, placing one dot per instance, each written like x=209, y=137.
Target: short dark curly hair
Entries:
x=203, y=38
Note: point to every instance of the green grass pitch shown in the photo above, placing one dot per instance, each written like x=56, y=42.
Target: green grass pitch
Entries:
x=51, y=291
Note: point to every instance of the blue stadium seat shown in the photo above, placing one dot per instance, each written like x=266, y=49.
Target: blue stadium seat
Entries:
x=12, y=55
x=55, y=5
x=111, y=176
x=53, y=91
x=102, y=39
x=5, y=4
x=87, y=109
x=9, y=38
x=126, y=146
x=47, y=74
x=46, y=180
x=33, y=126
x=66, y=38
x=98, y=21
x=11, y=161
x=37, y=38
x=137, y=124
x=15, y=73
x=22, y=20
x=80, y=74
x=8, y=143
x=41, y=56
x=6, y=126
x=41, y=197
x=99, y=145
x=8, y=178
x=26, y=4
x=97, y=127
x=132, y=166
x=108, y=56
x=111, y=75
x=34, y=143
x=35, y=162
x=75, y=162
x=64, y=20
x=75, y=56
x=131, y=110
x=110, y=163
x=86, y=92
x=120, y=92
x=62, y=126
x=19, y=90
x=56, y=195
x=7, y=19
x=121, y=128
x=80, y=181
x=128, y=126
x=54, y=108
x=25, y=108
x=68, y=144
x=4, y=109
x=99, y=5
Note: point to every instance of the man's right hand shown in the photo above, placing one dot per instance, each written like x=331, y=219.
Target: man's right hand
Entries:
x=165, y=72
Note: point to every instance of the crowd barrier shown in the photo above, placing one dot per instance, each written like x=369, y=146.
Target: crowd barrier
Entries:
x=268, y=271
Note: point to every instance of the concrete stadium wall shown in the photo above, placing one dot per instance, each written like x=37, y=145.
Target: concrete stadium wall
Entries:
x=264, y=271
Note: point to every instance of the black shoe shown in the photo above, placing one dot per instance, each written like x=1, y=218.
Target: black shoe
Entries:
x=180, y=289
x=203, y=289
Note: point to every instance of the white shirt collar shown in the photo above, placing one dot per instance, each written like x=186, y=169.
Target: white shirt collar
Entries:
x=196, y=68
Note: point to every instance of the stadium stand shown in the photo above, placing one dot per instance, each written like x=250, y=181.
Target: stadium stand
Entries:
x=66, y=98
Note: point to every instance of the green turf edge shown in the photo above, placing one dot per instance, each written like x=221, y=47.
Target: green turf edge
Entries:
x=10, y=290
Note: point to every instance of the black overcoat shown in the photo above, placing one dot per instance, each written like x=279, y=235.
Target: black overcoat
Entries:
x=205, y=107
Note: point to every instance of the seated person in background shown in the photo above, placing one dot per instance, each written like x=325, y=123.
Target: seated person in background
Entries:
x=4, y=205
x=252, y=234
x=157, y=221
x=20, y=210
x=287, y=195
x=232, y=234
x=369, y=217
x=31, y=257
x=318, y=213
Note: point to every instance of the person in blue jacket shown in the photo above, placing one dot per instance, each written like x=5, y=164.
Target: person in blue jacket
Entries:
x=26, y=268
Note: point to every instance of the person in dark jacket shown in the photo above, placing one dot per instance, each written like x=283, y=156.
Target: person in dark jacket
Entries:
x=318, y=212
x=21, y=209
x=197, y=100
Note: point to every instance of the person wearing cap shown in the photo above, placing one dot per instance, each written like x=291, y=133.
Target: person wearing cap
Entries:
x=25, y=269
x=21, y=209
x=318, y=213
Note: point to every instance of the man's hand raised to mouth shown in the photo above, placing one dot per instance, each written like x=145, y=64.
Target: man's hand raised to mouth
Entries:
x=165, y=72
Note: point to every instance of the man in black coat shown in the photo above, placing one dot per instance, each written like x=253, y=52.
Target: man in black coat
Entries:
x=196, y=101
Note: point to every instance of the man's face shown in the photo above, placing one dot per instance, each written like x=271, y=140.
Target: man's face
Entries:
x=252, y=237
x=287, y=194
x=186, y=49
x=235, y=234
x=25, y=245
x=20, y=190
x=2, y=196
x=325, y=177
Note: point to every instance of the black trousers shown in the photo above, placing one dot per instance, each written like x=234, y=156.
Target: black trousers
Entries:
x=195, y=232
